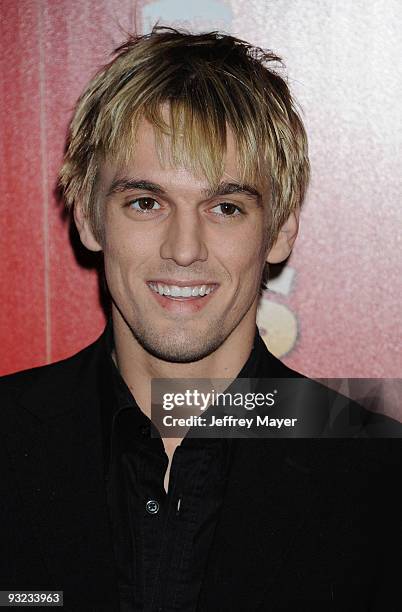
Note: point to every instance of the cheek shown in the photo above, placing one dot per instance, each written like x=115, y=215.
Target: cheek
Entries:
x=119, y=247
x=119, y=263
x=127, y=259
x=125, y=241
x=249, y=252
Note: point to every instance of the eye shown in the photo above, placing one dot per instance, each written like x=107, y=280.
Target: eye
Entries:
x=145, y=205
x=228, y=210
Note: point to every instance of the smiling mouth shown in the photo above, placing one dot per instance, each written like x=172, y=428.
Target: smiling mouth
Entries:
x=189, y=292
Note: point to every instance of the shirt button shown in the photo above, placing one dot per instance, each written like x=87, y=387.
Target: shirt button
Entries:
x=152, y=506
x=145, y=430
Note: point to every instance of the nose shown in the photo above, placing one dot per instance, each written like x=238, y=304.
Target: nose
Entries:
x=184, y=238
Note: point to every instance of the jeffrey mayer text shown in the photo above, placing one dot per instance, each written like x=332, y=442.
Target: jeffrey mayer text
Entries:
x=227, y=421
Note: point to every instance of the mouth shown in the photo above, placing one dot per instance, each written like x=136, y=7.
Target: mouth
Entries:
x=182, y=298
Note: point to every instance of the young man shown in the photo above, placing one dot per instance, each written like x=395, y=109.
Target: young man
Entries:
x=187, y=166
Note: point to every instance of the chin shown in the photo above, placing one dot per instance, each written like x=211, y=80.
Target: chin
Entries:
x=176, y=347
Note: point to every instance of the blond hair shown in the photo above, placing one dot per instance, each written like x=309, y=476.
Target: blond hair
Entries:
x=210, y=81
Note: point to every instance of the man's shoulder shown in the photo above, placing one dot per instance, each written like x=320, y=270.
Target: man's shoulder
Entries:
x=320, y=408
x=56, y=376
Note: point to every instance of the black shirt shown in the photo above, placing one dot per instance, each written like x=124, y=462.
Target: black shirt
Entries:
x=161, y=541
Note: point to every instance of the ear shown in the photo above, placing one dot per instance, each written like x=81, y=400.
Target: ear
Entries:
x=84, y=229
x=284, y=242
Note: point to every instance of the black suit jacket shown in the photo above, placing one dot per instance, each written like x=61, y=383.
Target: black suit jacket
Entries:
x=305, y=523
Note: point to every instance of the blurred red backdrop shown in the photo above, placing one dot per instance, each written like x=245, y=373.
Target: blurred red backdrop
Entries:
x=338, y=311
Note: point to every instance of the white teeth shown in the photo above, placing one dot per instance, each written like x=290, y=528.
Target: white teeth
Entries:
x=186, y=292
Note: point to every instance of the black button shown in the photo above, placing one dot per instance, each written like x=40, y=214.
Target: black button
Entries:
x=145, y=431
x=152, y=506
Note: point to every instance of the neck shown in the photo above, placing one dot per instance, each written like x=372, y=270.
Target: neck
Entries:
x=138, y=367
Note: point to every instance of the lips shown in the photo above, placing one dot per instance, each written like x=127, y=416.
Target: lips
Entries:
x=182, y=291
x=180, y=304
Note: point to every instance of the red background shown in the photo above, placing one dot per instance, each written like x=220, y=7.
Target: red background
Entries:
x=343, y=63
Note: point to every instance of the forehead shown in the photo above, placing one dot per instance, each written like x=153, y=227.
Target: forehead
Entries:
x=145, y=163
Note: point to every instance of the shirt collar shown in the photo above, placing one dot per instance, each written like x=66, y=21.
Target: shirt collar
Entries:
x=116, y=395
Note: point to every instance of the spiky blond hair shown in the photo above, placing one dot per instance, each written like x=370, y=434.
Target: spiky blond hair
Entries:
x=210, y=81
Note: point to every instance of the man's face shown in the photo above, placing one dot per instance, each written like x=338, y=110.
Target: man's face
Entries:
x=163, y=232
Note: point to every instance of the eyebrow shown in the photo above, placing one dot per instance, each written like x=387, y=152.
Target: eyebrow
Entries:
x=124, y=184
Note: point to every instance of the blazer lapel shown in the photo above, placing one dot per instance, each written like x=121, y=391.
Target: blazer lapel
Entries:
x=57, y=455
x=270, y=491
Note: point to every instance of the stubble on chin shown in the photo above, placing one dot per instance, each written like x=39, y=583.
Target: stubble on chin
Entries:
x=177, y=346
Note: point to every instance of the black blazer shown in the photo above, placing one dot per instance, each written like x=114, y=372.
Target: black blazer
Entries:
x=305, y=523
